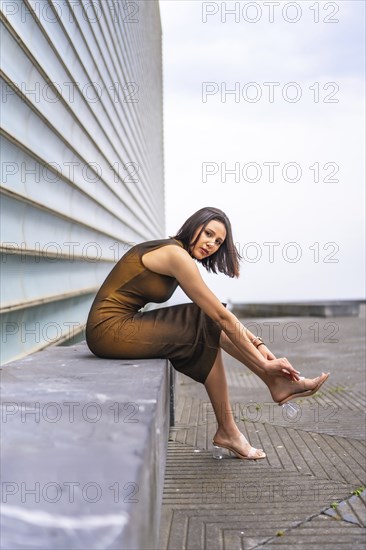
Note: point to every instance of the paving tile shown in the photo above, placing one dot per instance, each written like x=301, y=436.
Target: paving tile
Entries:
x=313, y=460
x=319, y=532
x=297, y=450
x=202, y=493
x=352, y=509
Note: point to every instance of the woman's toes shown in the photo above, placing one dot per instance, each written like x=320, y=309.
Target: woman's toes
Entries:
x=259, y=453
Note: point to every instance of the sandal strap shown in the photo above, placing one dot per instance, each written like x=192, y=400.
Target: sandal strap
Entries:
x=252, y=452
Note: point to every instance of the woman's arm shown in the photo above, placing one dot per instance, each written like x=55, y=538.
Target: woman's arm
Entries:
x=181, y=266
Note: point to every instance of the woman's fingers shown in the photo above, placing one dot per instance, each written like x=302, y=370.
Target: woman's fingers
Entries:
x=289, y=370
x=288, y=365
x=283, y=366
x=287, y=374
x=292, y=375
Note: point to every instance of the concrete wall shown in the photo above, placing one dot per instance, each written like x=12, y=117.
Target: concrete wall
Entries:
x=82, y=153
x=110, y=447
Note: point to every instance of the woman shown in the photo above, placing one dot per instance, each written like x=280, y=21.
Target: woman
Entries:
x=190, y=335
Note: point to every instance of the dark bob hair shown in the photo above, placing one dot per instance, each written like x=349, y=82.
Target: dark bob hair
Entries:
x=226, y=258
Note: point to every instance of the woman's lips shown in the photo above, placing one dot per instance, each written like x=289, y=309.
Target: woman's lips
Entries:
x=204, y=251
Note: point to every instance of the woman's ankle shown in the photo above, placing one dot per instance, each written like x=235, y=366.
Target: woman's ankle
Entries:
x=228, y=431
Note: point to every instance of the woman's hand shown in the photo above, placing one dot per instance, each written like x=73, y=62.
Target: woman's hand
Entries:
x=281, y=367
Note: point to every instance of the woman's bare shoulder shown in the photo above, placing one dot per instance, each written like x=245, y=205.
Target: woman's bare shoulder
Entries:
x=160, y=260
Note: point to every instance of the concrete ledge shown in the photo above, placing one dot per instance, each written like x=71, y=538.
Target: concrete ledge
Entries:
x=83, y=450
x=298, y=309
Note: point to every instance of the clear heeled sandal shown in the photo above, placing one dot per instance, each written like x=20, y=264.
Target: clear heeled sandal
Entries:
x=219, y=451
x=293, y=409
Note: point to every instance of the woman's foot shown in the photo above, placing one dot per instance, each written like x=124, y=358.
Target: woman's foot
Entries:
x=238, y=444
x=283, y=389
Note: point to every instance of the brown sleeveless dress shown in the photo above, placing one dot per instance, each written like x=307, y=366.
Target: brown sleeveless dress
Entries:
x=116, y=328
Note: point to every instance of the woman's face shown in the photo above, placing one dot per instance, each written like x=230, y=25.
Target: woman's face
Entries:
x=209, y=241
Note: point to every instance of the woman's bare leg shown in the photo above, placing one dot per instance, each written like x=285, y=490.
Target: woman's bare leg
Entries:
x=227, y=431
x=279, y=386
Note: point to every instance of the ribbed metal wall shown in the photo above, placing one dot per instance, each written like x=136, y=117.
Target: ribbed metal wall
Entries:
x=82, y=156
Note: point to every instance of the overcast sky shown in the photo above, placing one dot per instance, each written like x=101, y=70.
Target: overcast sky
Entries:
x=292, y=133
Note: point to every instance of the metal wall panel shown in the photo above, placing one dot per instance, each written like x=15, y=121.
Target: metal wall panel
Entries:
x=82, y=156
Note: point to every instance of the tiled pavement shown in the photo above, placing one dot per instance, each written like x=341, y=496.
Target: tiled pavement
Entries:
x=301, y=495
